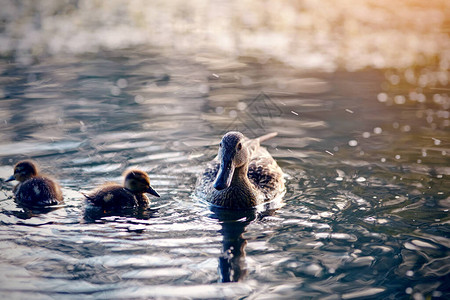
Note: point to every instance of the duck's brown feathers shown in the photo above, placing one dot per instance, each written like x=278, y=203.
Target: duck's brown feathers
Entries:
x=34, y=189
x=113, y=195
x=265, y=180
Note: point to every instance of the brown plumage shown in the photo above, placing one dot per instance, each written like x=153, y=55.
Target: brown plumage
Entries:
x=243, y=175
x=33, y=188
x=131, y=194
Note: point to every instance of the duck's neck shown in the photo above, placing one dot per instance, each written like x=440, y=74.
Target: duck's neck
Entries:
x=141, y=198
x=240, y=177
x=241, y=192
x=239, y=195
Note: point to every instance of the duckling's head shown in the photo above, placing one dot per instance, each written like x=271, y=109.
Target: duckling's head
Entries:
x=138, y=182
x=232, y=154
x=24, y=170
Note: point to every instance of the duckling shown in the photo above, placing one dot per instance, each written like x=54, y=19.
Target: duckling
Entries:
x=243, y=175
x=131, y=194
x=33, y=188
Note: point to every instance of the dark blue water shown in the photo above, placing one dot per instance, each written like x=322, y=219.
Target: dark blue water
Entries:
x=366, y=209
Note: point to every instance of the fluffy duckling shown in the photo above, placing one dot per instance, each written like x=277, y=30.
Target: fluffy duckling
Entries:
x=33, y=188
x=243, y=174
x=131, y=194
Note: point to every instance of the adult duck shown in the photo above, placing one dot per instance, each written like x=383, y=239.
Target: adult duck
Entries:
x=243, y=175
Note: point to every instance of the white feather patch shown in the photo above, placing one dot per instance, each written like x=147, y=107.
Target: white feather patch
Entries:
x=108, y=197
x=36, y=190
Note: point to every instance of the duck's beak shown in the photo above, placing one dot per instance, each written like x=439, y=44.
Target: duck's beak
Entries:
x=225, y=174
x=10, y=178
x=152, y=191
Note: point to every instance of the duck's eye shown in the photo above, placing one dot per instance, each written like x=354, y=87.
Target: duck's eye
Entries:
x=239, y=146
x=220, y=145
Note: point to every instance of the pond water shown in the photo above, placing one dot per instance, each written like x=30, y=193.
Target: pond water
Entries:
x=365, y=155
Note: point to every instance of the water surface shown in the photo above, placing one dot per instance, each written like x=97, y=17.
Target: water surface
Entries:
x=366, y=163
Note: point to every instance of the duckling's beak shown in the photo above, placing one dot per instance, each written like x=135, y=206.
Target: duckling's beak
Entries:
x=153, y=192
x=10, y=178
x=225, y=174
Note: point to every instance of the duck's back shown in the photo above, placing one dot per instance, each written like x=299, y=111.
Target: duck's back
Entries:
x=113, y=196
x=39, y=191
x=265, y=174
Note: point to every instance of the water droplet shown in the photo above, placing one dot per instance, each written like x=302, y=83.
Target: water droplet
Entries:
x=366, y=135
x=349, y=111
x=293, y=112
x=399, y=99
x=241, y=106
x=139, y=99
x=409, y=76
x=115, y=91
x=437, y=98
x=397, y=156
x=219, y=110
x=406, y=128
x=409, y=290
x=383, y=159
x=421, y=98
x=437, y=142
x=233, y=114
x=394, y=79
x=122, y=83
x=377, y=130
x=382, y=97
x=352, y=143
x=423, y=80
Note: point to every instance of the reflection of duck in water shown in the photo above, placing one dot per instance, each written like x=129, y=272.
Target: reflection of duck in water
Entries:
x=131, y=194
x=33, y=188
x=232, y=265
x=243, y=175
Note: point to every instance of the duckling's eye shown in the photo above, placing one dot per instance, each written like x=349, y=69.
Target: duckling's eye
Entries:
x=220, y=145
x=239, y=146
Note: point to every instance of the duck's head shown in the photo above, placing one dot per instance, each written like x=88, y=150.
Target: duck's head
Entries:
x=232, y=154
x=24, y=170
x=138, y=182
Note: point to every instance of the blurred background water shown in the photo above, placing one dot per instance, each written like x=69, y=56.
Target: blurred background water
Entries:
x=357, y=90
